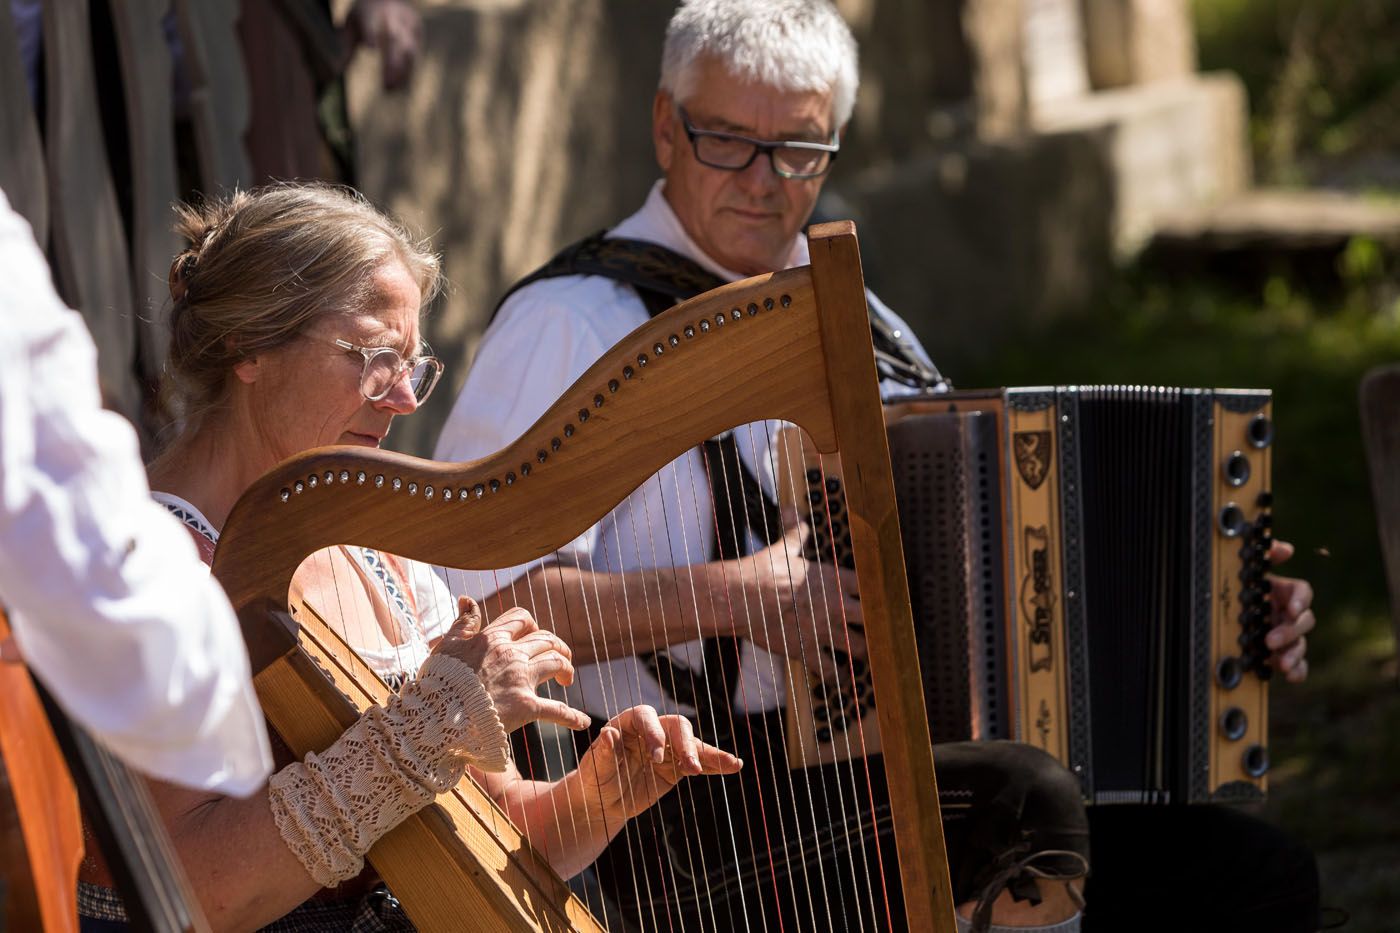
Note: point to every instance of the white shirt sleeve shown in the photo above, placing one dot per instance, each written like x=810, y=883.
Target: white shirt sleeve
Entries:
x=109, y=602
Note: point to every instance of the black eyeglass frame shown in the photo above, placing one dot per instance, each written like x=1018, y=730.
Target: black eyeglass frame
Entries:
x=406, y=367
x=832, y=148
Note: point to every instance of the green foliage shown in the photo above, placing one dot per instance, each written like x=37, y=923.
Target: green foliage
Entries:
x=1323, y=78
x=1335, y=771
x=1310, y=352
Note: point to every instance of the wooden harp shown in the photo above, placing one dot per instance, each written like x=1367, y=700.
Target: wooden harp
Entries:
x=799, y=344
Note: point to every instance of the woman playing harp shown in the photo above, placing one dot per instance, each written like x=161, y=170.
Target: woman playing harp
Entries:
x=295, y=325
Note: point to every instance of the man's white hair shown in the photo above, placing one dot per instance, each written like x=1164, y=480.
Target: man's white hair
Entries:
x=791, y=45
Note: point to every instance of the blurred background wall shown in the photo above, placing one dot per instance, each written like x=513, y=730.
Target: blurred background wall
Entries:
x=1002, y=153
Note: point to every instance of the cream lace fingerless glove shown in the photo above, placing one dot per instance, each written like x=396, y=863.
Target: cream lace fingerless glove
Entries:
x=331, y=807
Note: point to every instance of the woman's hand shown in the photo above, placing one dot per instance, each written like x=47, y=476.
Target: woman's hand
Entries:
x=512, y=656
x=638, y=757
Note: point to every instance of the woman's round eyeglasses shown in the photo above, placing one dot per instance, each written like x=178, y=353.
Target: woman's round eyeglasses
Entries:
x=385, y=368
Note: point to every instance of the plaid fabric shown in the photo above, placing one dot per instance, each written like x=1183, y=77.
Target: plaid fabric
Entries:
x=98, y=903
x=376, y=912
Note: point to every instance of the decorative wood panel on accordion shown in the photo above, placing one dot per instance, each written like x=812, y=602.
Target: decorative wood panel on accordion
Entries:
x=1087, y=571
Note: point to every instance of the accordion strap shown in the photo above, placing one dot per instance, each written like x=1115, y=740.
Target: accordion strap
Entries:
x=652, y=269
x=662, y=277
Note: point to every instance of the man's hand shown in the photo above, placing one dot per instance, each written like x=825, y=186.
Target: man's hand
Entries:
x=639, y=756
x=395, y=30
x=796, y=607
x=1291, y=621
x=512, y=656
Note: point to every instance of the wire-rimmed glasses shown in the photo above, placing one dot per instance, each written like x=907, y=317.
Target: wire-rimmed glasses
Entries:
x=734, y=153
x=385, y=368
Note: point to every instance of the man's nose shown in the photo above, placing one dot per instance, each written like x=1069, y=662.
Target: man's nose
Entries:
x=759, y=178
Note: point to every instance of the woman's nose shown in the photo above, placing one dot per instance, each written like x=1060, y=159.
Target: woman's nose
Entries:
x=400, y=399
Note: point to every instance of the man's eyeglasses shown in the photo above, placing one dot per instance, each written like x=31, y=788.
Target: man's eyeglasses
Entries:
x=385, y=368
x=734, y=153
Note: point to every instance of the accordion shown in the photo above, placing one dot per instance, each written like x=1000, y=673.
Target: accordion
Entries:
x=1087, y=567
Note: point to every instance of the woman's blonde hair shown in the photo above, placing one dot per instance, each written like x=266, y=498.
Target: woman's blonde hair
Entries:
x=261, y=267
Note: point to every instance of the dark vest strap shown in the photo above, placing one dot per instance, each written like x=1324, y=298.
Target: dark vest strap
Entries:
x=648, y=267
x=662, y=275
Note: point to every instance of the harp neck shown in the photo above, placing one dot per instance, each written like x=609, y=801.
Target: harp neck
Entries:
x=670, y=384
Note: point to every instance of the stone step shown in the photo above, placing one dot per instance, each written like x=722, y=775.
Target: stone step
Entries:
x=1163, y=145
x=1262, y=232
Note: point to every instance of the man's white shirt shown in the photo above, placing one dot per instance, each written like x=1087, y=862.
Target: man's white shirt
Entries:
x=544, y=337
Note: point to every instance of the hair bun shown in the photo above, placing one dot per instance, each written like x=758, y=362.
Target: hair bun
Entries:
x=181, y=271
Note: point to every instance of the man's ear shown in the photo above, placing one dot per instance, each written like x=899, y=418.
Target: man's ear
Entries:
x=663, y=129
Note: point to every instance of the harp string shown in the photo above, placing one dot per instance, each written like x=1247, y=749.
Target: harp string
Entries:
x=630, y=830
x=823, y=613
x=593, y=641
x=678, y=565
x=791, y=469
x=502, y=607
x=798, y=464
x=556, y=692
x=860, y=726
x=806, y=654
x=687, y=588
x=859, y=729
x=710, y=675
x=636, y=685
x=820, y=611
x=767, y=847
x=754, y=654
x=687, y=789
x=332, y=579
x=726, y=689
x=540, y=574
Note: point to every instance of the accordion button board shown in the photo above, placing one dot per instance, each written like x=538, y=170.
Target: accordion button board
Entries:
x=1088, y=570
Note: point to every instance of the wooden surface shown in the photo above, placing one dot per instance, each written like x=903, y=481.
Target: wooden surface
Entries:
x=1380, y=426
x=41, y=837
x=1251, y=696
x=458, y=858
x=631, y=413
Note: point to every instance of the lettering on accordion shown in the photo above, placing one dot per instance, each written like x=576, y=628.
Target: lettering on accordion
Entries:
x=1037, y=646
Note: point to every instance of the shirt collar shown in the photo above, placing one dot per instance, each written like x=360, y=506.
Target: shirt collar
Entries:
x=657, y=223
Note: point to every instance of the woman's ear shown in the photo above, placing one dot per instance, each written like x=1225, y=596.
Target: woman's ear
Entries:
x=248, y=370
